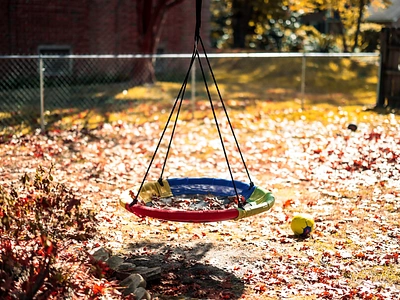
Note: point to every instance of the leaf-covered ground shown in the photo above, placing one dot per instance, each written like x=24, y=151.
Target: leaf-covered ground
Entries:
x=348, y=180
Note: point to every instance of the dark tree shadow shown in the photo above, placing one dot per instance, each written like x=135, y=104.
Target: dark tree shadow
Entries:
x=387, y=110
x=183, y=275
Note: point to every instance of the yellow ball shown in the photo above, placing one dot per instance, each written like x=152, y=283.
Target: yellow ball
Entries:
x=302, y=225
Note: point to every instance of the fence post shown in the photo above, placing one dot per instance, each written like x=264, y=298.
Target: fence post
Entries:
x=303, y=78
x=193, y=85
x=41, y=93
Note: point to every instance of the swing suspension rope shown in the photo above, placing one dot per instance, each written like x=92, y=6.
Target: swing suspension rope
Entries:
x=178, y=104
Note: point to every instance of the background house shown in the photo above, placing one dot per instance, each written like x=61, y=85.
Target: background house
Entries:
x=389, y=17
x=94, y=27
x=325, y=21
x=89, y=27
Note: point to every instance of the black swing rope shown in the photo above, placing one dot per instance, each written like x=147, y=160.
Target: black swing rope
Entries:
x=180, y=95
x=226, y=112
x=179, y=99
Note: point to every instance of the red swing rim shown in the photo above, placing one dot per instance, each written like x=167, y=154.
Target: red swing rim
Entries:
x=201, y=216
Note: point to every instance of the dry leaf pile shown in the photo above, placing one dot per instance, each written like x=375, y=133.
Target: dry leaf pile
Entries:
x=348, y=180
x=193, y=202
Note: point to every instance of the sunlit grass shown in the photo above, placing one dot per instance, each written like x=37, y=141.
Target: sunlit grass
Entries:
x=386, y=274
x=293, y=110
x=4, y=115
x=264, y=87
x=160, y=91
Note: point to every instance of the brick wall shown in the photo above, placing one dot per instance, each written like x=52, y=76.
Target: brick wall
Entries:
x=42, y=22
x=91, y=26
x=4, y=34
x=178, y=32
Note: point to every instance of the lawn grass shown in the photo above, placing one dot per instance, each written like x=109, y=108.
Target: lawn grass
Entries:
x=270, y=85
x=274, y=84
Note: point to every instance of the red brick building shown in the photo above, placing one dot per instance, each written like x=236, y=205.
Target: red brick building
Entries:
x=90, y=27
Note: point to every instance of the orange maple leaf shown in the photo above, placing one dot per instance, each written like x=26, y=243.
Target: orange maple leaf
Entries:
x=288, y=203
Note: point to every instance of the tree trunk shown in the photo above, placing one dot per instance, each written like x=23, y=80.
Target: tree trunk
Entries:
x=241, y=14
x=342, y=33
x=150, y=17
x=360, y=16
x=143, y=72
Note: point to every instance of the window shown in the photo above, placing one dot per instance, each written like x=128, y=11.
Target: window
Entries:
x=56, y=66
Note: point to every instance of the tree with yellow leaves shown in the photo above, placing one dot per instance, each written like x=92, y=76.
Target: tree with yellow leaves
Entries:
x=274, y=25
x=350, y=14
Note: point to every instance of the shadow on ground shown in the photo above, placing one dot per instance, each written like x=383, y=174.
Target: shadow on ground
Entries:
x=184, y=275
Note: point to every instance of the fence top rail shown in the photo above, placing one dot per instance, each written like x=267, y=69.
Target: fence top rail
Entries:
x=186, y=55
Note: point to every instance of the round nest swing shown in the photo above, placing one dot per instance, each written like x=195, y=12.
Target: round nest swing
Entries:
x=254, y=199
x=248, y=199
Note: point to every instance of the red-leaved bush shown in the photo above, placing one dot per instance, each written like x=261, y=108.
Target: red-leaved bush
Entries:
x=40, y=220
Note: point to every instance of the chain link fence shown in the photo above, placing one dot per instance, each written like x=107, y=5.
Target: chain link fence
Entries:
x=39, y=91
